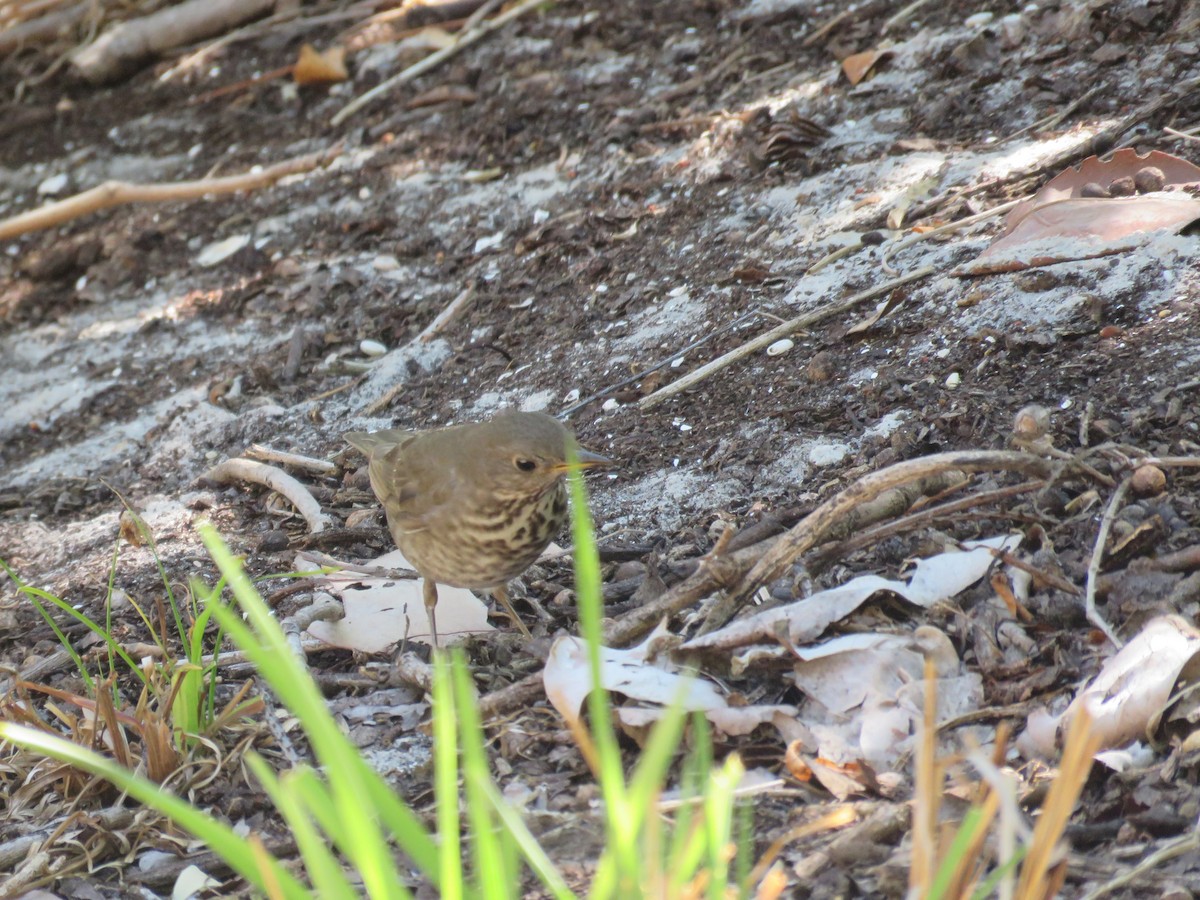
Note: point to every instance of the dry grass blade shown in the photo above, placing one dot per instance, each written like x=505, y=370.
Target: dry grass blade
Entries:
x=927, y=792
x=1037, y=873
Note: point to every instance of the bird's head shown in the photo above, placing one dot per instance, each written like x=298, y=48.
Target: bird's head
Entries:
x=526, y=452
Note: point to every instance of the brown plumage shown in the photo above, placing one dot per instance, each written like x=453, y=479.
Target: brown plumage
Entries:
x=473, y=505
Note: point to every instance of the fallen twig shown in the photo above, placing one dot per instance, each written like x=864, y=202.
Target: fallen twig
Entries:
x=277, y=480
x=130, y=43
x=780, y=331
x=902, y=15
x=813, y=528
x=43, y=29
x=1093, y=571
x=117, y=193
x=295, y=460
x=322, y=559
x=457, y=305
x=665, y=361
x=464, y=40
x=863, y=536
x=895, y=248
x=1186, y=844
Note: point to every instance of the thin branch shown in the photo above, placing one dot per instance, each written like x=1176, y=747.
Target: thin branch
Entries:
x=233, y=470
x=780, y=331
x=1093, y=572
x=465, y=39
x=295, y=460
x=117, y=193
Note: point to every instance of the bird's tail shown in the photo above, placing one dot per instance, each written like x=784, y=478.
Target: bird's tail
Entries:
x=373, y=443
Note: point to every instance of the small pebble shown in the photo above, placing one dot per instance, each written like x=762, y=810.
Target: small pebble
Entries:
x=273, y=542
x=820, y=367
x=781, y=347
x=609, y=405
x=372, y=348
x=953, y=380
x=53, y=185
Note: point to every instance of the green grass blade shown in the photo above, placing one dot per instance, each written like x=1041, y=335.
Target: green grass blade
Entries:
x=361, y=797
x=319, y=861
x=622, y=833
x=541, y=864
x=232, y=848
x=988, y=886
x=718, y=816
x=445, y=779
x=494, y=879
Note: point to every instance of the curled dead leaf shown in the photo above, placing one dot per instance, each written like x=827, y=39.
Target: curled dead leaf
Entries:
x=314, y=67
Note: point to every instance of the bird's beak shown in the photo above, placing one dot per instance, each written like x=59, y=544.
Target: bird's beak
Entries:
x=586, y=460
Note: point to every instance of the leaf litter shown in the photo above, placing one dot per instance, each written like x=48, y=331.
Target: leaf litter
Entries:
x=1105, y=344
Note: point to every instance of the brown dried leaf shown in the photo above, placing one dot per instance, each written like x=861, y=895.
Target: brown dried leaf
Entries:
x=1124, y=163
x=313, y=67
x=859, y=65
x=443, y=93
x=1083, y=228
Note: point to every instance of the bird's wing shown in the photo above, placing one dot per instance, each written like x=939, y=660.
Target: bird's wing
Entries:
x=414, y=486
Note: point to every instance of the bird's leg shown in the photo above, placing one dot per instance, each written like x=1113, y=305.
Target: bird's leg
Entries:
x=501, y=595
x=429, y=591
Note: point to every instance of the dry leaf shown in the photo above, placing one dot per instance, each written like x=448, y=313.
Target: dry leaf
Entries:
x=1066, y=220
x=1123, y=163
x=320, y=68
x=933, y=580
x=1127, y=699
x=859, y=65
x=1083, y=229
x=381, y=612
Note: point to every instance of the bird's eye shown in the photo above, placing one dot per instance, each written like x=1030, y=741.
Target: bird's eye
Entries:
x=525, y=465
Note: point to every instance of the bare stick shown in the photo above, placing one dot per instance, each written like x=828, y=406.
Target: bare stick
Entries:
x=281, y=482
x=665, y=361
x=130, y=43
x=116, y=193
x=295, y=460
x=812, y=528
x=895, y=248
x=456, y=306
x=435, y=59
x=324, y=607
x=902, y=15
x=323, y=559
x=780, y=331
x=1093, y=573
x=44, y=29
x=1187, y=844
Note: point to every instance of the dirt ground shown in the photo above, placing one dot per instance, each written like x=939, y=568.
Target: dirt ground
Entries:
x=615, y=183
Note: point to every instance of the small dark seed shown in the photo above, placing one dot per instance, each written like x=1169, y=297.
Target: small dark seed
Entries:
x=872, y=239
x=1093, y=189
x=1149, y=179
x=1122, y=187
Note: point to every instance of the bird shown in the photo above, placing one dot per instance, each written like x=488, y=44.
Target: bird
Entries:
x=473, y=505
